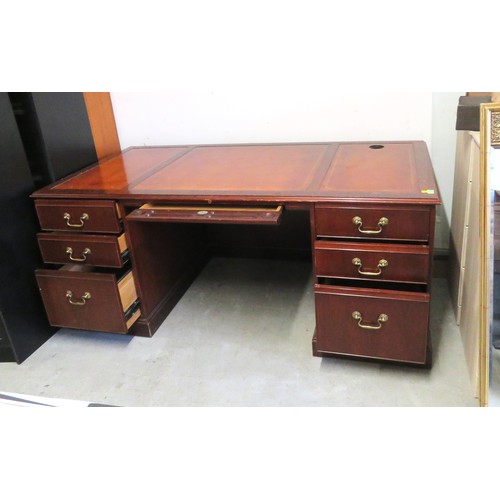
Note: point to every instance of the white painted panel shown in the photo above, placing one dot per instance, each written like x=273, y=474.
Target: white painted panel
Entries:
x=289, y=115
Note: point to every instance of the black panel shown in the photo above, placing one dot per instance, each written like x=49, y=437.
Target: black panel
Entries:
x=468, y=112
x=24, y=321
x=6, y=351
x=56, y=133
x=22, y=105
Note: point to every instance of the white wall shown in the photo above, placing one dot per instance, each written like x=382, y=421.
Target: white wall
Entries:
x=229, y=117
x=299, y=114
x=444, y=140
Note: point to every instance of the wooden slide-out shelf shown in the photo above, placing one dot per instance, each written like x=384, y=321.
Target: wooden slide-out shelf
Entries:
x=208, y=214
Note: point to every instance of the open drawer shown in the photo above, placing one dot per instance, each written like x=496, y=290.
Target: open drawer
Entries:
x=82, y=216
x=76, y=296
x=220, y=214
x=104, y=250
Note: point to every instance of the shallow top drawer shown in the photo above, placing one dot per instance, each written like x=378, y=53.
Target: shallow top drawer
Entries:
x=82, y=216
x=373, y=222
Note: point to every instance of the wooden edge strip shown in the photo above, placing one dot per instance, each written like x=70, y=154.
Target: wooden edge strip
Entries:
x=149, y=206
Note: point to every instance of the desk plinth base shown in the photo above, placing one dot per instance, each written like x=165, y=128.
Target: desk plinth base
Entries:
x=426, y=365
x=147, y=326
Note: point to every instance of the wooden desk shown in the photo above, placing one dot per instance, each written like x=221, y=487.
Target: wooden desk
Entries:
x=154, y=215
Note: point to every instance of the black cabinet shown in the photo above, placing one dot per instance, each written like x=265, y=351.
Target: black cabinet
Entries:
x=55, y=129
x=44, y=136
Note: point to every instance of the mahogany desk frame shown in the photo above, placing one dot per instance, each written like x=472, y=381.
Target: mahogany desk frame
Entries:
x=375, y=198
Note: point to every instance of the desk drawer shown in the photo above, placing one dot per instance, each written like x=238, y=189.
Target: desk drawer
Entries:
x=372, y=324
x=80, y=216
x=378, y=262
x=76, y=296
x=93, y=250
x=377, y=222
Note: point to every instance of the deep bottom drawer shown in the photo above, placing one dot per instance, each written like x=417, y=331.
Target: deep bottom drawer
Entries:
x=76, y=298
x=375, y=324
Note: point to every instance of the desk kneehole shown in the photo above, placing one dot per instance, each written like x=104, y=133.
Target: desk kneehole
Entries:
x=77, y=296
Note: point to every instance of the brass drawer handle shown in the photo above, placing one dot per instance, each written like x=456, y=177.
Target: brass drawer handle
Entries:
x=381, y=264
x=83, y=218
x=357, y=221
x=383, y=318
x=86, y=296
x=86, y=252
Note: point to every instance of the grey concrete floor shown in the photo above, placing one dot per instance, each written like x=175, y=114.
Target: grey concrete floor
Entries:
x=240, y=336
x=494, y=389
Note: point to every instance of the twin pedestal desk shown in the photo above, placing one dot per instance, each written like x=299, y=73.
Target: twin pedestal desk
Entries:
x=123, y=239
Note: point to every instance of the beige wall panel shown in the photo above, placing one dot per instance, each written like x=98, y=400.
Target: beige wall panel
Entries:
x=470, y=321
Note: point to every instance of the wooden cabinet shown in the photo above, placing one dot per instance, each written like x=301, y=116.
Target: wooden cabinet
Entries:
x=84, y=293
x=372, y=293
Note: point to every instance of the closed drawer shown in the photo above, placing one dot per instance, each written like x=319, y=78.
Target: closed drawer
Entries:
x=374, y=222
x=81, y=216
x=380, y=262
x=93, y=250
x=76, y=296
x=372, y=324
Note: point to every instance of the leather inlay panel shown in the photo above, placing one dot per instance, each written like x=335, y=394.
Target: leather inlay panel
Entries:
x=239, y=169
x=119, y=172
x=358, y=168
